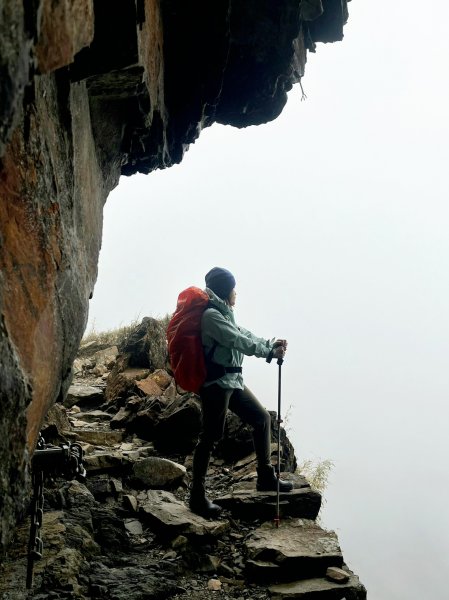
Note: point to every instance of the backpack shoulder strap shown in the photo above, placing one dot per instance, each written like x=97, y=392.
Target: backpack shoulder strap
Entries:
x=210, y=354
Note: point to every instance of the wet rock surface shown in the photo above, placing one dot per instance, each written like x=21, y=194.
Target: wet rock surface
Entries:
x=127, y=532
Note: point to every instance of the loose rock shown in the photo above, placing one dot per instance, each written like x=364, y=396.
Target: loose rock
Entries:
x=170, y=518
x=158, y=472
x=214, y=585
x=338, y=575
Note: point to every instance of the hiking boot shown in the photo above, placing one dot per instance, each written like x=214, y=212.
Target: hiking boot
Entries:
x=267, y=481
x=200, y=504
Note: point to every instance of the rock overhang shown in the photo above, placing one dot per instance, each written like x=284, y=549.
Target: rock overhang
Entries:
x=90, y=91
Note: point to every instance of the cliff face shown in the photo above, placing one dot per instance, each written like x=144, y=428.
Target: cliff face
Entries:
x=91, y=90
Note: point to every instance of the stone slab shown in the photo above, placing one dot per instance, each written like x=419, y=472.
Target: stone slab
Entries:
x=248, y=503
x=101, y=438
x=169, y=517
x=133, y=526
x=84, y=396
x=94, y=416
x=162, y=378
x=297, y=549
x=319, y=588
x=149, y=387
x=104, y=461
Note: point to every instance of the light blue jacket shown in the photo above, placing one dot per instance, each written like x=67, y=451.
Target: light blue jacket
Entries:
x=232, y=342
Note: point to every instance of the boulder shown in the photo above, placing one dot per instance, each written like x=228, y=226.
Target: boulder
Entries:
x=84, y=396
x=297, y=549
x=178, y=427
x=146, y=346
x=155, y=472
x=169, y=517
x=106, y=357
x=237, y=440
x=144, y=422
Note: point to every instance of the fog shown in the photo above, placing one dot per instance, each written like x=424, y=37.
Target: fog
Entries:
x=334, y=220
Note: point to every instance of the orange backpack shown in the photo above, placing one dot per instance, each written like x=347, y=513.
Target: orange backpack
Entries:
x=184, y=339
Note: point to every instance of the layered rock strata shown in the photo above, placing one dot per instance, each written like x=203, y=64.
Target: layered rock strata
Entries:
x=91, y=90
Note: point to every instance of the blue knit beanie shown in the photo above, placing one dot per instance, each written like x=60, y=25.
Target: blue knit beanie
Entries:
x=220, y=281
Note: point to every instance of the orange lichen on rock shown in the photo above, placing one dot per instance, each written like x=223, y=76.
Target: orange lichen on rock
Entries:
x=29, y=241
x=66, y=27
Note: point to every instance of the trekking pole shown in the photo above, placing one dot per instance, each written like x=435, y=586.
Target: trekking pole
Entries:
x=277, y=518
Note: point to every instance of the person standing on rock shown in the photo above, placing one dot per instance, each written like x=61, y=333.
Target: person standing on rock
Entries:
x=225, y=345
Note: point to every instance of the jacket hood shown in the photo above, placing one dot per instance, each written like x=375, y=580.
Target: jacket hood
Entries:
x=218, y=303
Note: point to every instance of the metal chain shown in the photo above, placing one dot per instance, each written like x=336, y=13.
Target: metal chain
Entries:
x=35, y=546
x=64, y=460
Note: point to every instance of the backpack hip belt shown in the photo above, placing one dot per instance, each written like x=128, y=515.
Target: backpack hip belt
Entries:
x=216, y=371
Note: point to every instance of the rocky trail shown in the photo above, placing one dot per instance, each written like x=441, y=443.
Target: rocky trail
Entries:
x=125, y=532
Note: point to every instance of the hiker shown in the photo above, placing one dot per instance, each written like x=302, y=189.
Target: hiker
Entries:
x=225, y=345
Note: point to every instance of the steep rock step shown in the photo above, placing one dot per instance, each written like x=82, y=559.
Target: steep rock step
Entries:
x=84, y=396
x=244, y=502
x=297, y=549
x=94, y=416
x=169, y=517
x=98, y=437
x=319, y=589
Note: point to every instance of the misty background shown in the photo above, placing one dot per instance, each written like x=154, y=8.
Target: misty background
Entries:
x=334, y=220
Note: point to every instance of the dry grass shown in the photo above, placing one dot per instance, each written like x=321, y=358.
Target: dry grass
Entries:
x=111, y=337
x=316, y=473
x=114, y=337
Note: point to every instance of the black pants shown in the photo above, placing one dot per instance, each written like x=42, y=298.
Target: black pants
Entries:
x=215, y=401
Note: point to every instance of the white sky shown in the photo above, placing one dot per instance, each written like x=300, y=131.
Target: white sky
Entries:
x=334, y=220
